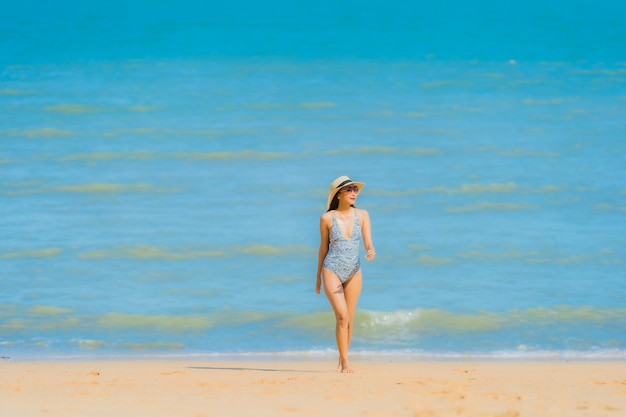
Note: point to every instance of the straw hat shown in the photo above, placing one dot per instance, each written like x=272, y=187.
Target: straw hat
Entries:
x=338, y=184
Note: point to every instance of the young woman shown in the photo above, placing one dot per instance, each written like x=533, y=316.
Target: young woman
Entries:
x=341, y=229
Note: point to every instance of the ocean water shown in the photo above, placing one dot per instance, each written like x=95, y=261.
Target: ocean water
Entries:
x=163, y=167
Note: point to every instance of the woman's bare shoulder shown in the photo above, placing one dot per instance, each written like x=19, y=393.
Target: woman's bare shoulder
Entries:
x=363, y=213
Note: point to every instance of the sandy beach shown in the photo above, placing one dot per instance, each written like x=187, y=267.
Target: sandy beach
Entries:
x=208, y=389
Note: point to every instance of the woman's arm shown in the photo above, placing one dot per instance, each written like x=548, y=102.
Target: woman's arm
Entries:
x=366, y=230
x=324, y=228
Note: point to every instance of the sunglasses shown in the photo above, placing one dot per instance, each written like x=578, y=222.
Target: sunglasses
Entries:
x=350, y=188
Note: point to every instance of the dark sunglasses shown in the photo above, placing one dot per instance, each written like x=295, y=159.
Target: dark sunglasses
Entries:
x=349, y=188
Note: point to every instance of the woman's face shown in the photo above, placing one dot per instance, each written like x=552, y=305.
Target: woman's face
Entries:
x=349, y=193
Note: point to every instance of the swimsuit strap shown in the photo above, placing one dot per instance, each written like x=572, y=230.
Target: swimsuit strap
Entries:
x=335, y=223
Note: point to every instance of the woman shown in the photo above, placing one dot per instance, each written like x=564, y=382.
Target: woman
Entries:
x=341, y=228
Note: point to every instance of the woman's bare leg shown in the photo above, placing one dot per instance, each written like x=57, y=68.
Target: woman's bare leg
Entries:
x=335, y=293
x=343, y=299
x=352, y=291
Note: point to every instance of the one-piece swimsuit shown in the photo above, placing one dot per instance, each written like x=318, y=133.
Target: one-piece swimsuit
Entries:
x=343, y=253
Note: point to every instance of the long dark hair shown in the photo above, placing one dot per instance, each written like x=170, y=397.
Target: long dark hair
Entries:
x=334, y=203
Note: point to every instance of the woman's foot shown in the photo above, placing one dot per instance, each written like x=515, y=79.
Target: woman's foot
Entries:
x=344, y=367
x=347, y=370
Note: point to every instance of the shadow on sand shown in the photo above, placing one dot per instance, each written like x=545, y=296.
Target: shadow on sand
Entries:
x=226, y=368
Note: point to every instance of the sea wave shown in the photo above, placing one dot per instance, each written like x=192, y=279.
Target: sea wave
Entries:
x=409, y=324
x=488, y=205
x=520, y=353
x=145, y=251
x=147, y=155
x=31, y=253
x=471, y=188
x=383, y=149
x=536, y=256
x=176, y=351
x=35, y=187
x=76, y=108
x=37, y=133
x=62, y=320
x=540, y=332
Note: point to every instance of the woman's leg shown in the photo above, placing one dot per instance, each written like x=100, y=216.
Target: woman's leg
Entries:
x=334, y=291
x=352, y=290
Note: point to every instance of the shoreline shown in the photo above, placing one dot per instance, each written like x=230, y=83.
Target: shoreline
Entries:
x=206, y=388
x=615, y=355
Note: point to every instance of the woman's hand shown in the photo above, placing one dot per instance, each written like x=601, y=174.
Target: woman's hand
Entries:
x=367, y=235
x=318, y=286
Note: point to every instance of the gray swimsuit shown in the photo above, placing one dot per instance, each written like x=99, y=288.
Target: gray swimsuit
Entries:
x=343, y=254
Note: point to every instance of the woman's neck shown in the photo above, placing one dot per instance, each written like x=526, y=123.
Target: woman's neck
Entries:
x=344, y=208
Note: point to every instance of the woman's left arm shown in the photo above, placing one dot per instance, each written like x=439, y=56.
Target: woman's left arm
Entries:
x=366, y=229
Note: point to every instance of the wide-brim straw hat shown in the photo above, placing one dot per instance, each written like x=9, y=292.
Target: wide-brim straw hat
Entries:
x=338, y=184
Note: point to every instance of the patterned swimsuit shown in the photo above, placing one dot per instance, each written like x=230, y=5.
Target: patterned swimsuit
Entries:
x=343, y=253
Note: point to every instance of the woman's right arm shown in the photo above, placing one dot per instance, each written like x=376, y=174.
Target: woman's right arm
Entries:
x=324, y=227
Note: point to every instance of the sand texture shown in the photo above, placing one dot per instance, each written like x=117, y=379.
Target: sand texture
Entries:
x=211, y=389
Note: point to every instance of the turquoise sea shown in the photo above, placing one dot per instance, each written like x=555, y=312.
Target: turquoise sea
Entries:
x=163, y=167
